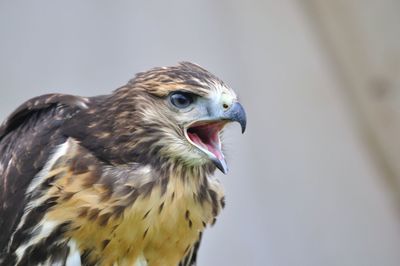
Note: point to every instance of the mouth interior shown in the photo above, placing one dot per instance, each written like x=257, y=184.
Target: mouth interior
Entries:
x=206, y=137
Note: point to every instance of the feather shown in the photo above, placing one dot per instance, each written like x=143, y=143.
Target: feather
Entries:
x=110, y=179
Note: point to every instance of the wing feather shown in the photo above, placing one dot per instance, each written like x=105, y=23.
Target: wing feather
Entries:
x=27, y=139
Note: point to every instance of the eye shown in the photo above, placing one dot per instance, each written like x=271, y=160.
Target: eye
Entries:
x=181, y=99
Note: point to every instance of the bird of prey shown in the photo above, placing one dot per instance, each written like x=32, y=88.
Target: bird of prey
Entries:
x=118, y=179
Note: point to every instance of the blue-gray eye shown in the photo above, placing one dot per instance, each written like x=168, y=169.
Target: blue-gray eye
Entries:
x=181, y=99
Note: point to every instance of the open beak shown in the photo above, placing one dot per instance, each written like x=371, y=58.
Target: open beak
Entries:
x=205, y=134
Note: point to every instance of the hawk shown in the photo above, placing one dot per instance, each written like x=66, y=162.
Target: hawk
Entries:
x=118, y=179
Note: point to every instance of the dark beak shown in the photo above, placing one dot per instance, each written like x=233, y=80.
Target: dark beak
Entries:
x=221, y=165
x=235, y=113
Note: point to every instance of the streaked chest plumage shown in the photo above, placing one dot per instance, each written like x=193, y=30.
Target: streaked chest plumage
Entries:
x=124, y=215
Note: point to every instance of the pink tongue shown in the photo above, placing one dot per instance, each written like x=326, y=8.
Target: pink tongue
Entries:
x=211, y=147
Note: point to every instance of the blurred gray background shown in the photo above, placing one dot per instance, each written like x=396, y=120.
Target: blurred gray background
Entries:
x=315, y=179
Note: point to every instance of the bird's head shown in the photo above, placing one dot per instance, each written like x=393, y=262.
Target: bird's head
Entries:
x=189, y=107
x=175, y=113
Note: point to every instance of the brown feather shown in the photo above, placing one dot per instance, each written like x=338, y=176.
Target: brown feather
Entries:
x=125, y=184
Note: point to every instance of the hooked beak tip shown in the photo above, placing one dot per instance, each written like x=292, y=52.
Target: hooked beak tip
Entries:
x=243, y=128
x=237, y=113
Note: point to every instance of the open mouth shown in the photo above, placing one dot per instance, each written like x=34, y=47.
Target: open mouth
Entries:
x=205, y=136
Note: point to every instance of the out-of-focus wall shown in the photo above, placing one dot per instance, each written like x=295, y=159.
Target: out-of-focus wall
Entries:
x=363, y=41
x=305, y=186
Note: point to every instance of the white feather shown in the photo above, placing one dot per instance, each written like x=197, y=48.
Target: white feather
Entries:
x=141, y=261
x=74, y=257
x=60, y=151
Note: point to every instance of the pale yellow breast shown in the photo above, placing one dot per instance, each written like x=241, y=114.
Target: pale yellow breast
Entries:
x=164, y=227
x=160, y=227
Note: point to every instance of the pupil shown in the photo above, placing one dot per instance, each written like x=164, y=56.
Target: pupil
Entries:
x=181, y=100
